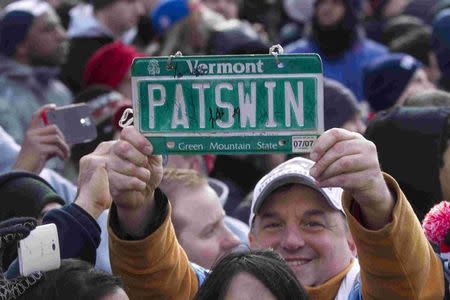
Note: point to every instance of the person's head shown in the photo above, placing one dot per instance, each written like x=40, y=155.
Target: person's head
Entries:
x=166, y=13
x=76, y=279
x=25, y=194
x=110, y=65
x=383, y=9
x=258, y=274
x=195, y=162
x=227, y=8
x=341, y=107
x=429, y=98
x=236, y=37
x=31, y=33
x=421, y=137
x=329, y=13
x=390, y=79
x=188, y=30
x=118, y=15
x=398, y=26
x=305, y=224
x=335, y=25
x=197, y=216
x=441, y=42
x=417, y=43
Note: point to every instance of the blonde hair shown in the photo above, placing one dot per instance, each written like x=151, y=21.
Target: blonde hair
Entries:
x=185, y=177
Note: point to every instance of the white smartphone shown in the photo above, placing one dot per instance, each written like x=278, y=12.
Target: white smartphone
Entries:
x=74, y=121
x=39, y=251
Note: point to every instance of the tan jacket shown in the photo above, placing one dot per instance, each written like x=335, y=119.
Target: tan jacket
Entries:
x=397, y=262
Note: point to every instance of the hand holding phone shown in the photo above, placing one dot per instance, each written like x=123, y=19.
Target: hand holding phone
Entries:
x=40, y=144
x=39, y=251
x=74, y=121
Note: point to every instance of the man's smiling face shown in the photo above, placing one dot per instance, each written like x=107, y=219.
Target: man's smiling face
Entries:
x=298, y=223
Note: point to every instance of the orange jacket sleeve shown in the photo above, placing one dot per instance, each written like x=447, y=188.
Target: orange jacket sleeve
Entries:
x=155, y=267
x=397, y=261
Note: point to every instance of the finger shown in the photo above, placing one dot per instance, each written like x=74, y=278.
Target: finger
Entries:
x=120, y=183
x=37, y=115
x=104, y=148
x=128, y=168
x=127, y=151
x=349, y=181
x=155, y=160
x=51, y=151
x=345, y=164
x=55, y=140
x=140, y=142
x=328, y=139
x=47, y=130
x=338, y=150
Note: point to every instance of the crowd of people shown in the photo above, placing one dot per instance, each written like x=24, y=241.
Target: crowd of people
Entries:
x=343, y=221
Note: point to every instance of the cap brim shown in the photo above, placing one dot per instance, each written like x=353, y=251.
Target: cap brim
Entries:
x=288, y=179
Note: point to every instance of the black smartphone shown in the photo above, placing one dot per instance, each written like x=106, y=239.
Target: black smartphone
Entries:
x=75, y=122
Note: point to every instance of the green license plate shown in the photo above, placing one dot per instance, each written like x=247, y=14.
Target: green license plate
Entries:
x=229, y=104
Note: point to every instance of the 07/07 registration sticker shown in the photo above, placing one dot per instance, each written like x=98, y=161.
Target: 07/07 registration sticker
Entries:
x=301, y=144
x=229, y=104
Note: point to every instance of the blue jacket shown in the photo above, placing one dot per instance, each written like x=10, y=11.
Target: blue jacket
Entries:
x=23, y=89
x=348, y=68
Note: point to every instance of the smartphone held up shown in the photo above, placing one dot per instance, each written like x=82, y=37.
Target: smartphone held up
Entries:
x=74, y=121
x=39, y=251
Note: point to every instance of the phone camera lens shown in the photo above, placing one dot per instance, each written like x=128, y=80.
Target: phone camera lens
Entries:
x=53, y=246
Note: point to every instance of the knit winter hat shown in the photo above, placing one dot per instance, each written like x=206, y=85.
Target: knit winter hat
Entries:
x=441, y=40
x=110, y=64
x=15, y=22
x=436, y=226
x=415, y=137
x=385, y=79
x=25, y=194
x=167, y=12
x=340, y=105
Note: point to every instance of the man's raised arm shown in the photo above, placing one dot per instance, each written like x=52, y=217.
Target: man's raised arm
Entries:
x=144, y=251
x=396, y=260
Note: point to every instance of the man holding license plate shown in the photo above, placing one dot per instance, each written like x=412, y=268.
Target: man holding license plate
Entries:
x=343, y=226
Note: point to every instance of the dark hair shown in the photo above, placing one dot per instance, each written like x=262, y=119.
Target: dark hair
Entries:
x=416, y=43
x=75, y=279
x=429, y=98
x=266, y=266
x=433, y=98
x=398, y=26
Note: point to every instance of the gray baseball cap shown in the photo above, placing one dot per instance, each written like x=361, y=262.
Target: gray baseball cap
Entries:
x=295, y=170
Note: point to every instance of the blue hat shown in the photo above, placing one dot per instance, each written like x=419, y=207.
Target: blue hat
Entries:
x=16, y=21
x=386, y=78
x=441, y=40
x=168, y=12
